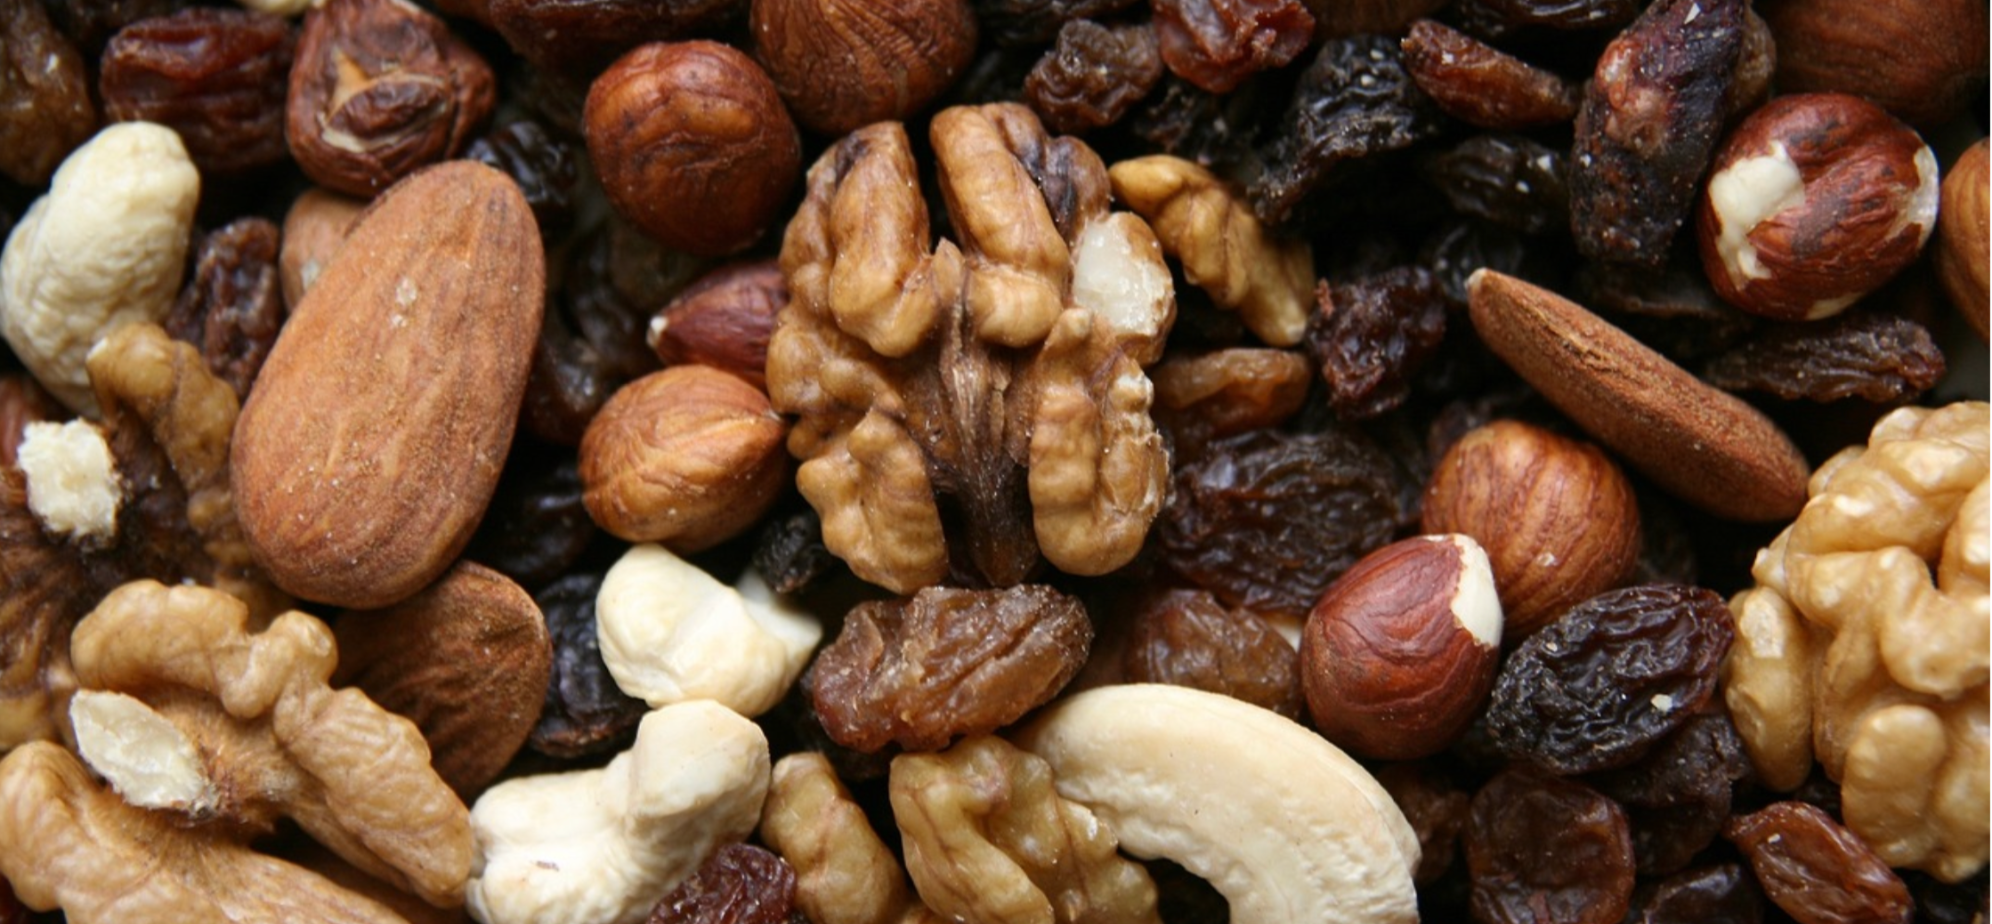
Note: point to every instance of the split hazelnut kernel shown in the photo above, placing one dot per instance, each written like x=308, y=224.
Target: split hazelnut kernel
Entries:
x=1812, y=202
x=1557, y=517
x=844, y=64
x=1400, y=653
x=692, y=144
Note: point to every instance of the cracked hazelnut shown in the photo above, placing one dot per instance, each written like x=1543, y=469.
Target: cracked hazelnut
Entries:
x=844, y=64
x=1399, y=654
x=693, y=145
x=1812, y=202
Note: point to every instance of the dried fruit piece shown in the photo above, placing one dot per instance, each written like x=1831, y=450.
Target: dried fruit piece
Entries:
x=1216, y=44
x=1035, y=22
x=1720, y=894
x=1604, y=683
x=1480, y=85
x=214, y=76
x=1541, y=848
x=1679, y=794
x=1371, y=336
x=1509, y=180
x=739, y=884
x=541, y=162
x=1870, y=355
x=1209, y=396
x=945, y=663
x=1436, y=808
x=1500, y=18
x=536, y=526
x=1187, y=638
x=1816, y=870
x=584, y=712
x=1093, y=75
x=45, y=105
x=233, y=307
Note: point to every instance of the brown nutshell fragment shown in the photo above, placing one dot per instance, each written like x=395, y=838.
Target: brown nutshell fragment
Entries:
x=1481, y=85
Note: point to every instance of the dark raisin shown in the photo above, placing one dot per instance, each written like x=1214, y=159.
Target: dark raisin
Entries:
x=1462, y=245
x=1870, y=355
x=1212, y=129
x=739, y=884
x=1816, y=870
x=1940, y=902
x=585, y=712
x=1035, y=22
x=1679, y=794
x=1497, y=18
x=1436, y=809
x=1649, y=121
x=1674, y=310
x=233, y=305
x=91, y=23
x=542, y=163
x=591, y=343
x=1187, y=638
x=45, y=107
x=1093, y=75
x=1605, y=682
x=790, y=554
x=921, y=672
x=1481, y=86
x=535, y=527
x=574, y=39
x=1209, y=396
x=1371, y=335
x=1267, y=520
x=1354, y=101
x=1720, y=894
x=1216, y=44
x=1541, y=848
x=1506, y=179
x=217, y=77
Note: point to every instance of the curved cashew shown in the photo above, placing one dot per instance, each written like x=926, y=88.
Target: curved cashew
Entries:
x=1282, y=823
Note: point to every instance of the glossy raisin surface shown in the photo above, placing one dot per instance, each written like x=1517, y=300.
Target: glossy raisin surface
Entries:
x=1371, y=335
x=1093, y=75
x=232, y=306
x=1869, y=355
x=1816, y=870
x=1724, y=893
x=1187, y=638
x=739, y=884
x=217, y=77
x=585, y=712
x=1542, y=848
x=1678, y=796
x=1216, y=44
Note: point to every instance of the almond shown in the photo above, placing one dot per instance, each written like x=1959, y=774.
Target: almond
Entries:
x=1700, y=444
x=373, y=439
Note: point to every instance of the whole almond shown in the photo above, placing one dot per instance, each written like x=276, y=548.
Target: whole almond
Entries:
x=373, y=439
x=1699, y=443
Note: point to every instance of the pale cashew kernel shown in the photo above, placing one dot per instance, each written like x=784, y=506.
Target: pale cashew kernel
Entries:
x=73, y=483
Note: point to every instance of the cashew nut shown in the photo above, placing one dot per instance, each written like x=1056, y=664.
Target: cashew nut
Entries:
x=1282, y=823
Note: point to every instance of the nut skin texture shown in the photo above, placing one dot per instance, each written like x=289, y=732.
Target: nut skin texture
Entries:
x=688, y=457
x=1812, y=202
x=374, y=437
x=692, y=144
x=1964, y=224
x=723, y=320
x=844, y=64
x=1922, y=61
x=1397, y=657
x=1557, y=517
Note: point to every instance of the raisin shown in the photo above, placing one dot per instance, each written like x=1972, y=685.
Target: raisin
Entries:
x=1674, y=310
x=585, y=712
x=1719, y=894
x=1498, y=18
x=1035, y=22
x=543, y=164
x=1372, y=335
x=1208, y=396
x=1605, y=682
x=45, y=107
x=790, y=554
x=1093, y=75
x=945, y=663
x=1543, y=848
x=1436, y=809
x=91, y=23
x=1649, y=121
x=1506, y=179
x=1679, y=794
x=1194, y=124
x=1462, y=245
x=1940, y=902
x=1216, y=44
x=738, y=884
x=1267, y=520
x=1869, y=355
x=591, y=343
x=535, y=527
x=1816, y=870
x=1187, y=638
x=1354, y=101
x=217, y=77
x=1478, y=85
x=233, y=305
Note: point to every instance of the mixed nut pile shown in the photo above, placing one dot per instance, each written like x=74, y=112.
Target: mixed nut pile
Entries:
x=998, y=461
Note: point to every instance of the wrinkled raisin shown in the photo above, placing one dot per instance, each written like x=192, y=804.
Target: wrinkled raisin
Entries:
x=920, y=672
x=1212, y=129
x=1605, y=682
x=45, y=107
x=233, y=305
x=1678, y=795
x=535, y=527
x=591, y=343
x=1216, y=44
x=1506, y=179
x=1209, y=396
x=1541, y=848
x=1267, y=520
x=1497, y=18
x=1816, y=870
x=543, y=164
x=1354, y=101
x=1093, y=75
x=1940, y=902
x=585, y=712
x=790, y=554
x=1436, y=809
x=1481, y=86
x=1720, y=894
x=91, y=23
x=1869, y=355
x=1371, y=335
x=1187, y=638
x=739, y=884
x=1462, y=245
x=1674, y=310
x=1035, y=22
x=217, y=77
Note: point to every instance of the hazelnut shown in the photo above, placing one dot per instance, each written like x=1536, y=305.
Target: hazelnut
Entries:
x=689, y=457
x=844, y=64
x=1962, y=233
x=1923, y=61
x=1812, y=202
x=692, y=144
x=1557, y=517
x=1400, y=653
x=314, y=229
x=723, y=320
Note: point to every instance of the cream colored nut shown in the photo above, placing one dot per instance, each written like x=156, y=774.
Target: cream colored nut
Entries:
x=107, y=245
x=73, y=483
x=1209, y=782
x=844, y=874
x=669, y=632
x=603, y=846
x=142, y=754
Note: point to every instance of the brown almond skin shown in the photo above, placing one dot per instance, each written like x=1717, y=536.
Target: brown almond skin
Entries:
x=1963, y=228
x=1700, y=444
x=373, y=439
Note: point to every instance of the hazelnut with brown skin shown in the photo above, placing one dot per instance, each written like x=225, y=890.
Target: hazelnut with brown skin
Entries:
x=1812, y=202
x=1963, y=222
x=1557, y=517
x=1923, y=61
x=723, y=320
x=692, y=144
x=844, y=64
x=1400, y=653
